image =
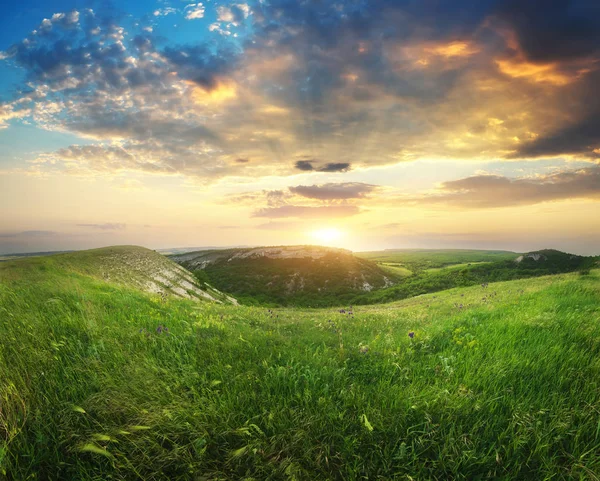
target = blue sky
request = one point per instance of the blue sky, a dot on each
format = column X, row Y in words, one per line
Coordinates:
column 443, row 119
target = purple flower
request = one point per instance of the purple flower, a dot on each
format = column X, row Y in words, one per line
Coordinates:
column 411, row 334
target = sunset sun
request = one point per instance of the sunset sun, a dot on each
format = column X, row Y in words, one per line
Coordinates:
column 327, row 236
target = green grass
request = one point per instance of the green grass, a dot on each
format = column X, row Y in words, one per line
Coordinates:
column 455, row 266
column 395, row 269
column 422, row 259
column 506, row 387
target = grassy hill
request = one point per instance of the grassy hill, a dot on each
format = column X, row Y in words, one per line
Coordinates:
column 100, row 380
column 533, row 264
column 130, row 266
column 312, row 276
column 289, row 275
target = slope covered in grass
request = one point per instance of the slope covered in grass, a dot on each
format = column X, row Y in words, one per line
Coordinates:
column 101, row 381
column 423, row 281
column 288, row 275
column 129, row 266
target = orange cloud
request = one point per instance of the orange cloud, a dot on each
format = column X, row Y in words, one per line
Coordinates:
column 453, row 49
column 539, row 73
column 423, row 55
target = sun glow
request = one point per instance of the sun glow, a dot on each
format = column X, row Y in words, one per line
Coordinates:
column 327, row 236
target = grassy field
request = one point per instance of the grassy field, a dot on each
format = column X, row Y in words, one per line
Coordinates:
column 395, row 269
column 422, row 259
column 99, row 381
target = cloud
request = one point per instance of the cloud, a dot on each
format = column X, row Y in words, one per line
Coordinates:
column 234, row 14
column 377, row 81
column 344, row 191
column 307, row 166
column 106, row 226
column 328, row 211
column 194, row 11
column 553, row 31
column 488, row 191
column 335, row 167
column 163, row 12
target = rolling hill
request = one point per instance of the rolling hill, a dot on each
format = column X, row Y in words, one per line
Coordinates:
column 101, row 379
column 511, row 267
column 130, row 266
column 288, row 275
column 319, row 276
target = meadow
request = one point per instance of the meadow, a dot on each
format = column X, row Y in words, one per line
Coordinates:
column 100, row 381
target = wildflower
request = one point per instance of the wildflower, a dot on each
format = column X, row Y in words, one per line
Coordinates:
column 411, row 334
column 363, row 349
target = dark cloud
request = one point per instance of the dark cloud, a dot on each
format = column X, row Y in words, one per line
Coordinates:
column 581, row 134
column 106, row 226
column 305, row 165
column 342, row 191
column 335, row 167
column 554, row 30
column 242, row 161
column 582, row 137
column 329, row 211
column 484, row 191
column 201, row 64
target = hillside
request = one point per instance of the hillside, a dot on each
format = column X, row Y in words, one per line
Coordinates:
column 312, row 276
column 288, row 275
column 131, row 266
column 99, row 380
column 529, row 265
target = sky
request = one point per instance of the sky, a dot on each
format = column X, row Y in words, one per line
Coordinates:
column 364, row 124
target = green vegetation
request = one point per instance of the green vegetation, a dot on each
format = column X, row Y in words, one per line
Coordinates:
column 439, row 279
column 99, row 381
column 330, row 277
column 340, row 278
column 129, row 266
column 395, row 269
column 417, row 260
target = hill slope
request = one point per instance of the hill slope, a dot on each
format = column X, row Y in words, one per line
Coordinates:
column 496, row 383
column 288, row 275
column 131, row 266
column 532, row 264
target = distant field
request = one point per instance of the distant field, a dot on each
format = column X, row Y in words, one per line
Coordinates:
column 456, row 266
column 422, row 259
column 99, row 381
column 396, row 269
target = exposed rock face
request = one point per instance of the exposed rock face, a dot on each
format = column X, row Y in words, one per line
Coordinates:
column 143, row 269
column 536, row 256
